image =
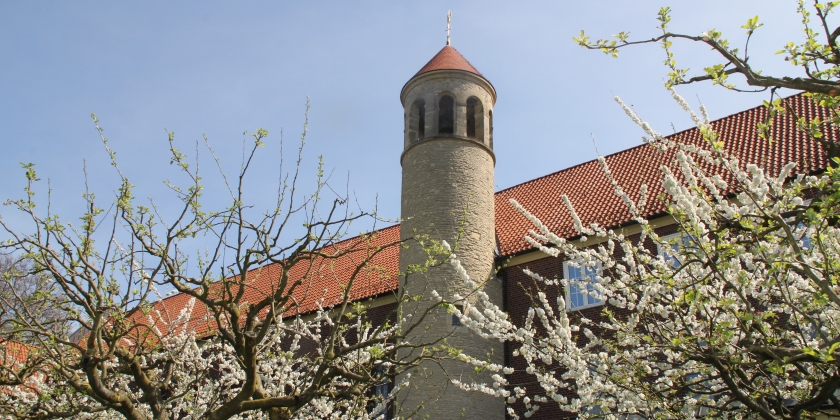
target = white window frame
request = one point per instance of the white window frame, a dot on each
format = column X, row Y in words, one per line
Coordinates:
column 807, row 241
column 682, row 239
column 589, row 301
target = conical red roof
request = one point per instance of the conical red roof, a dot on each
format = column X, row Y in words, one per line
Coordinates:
column 448, row 59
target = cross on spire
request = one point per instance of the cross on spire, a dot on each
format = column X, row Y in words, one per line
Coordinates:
column 448, row 26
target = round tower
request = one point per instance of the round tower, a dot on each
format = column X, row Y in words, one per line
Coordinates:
column 448, row 194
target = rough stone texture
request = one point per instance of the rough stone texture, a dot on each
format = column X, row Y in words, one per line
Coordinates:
column 448, row 186
column 447, row 193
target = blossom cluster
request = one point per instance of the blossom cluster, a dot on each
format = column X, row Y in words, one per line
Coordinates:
column 203, row 372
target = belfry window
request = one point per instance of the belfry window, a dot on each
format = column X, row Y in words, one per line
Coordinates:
column 490, row 121
column 456, row 320
column 471, row 117
column 446, row 115
column 417, row 120
column 421, row 119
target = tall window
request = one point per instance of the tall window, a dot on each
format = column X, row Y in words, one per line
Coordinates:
column 417, row 120
column 471, row 117
column 380, row 390
column 807, row 240
column 421, row 119
column 490, row 118
column 446, row 115
column 672, row 244
column 581, row 292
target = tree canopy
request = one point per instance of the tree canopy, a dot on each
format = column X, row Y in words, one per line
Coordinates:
column 271, row 320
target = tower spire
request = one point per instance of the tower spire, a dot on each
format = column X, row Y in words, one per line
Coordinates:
column 448, row 26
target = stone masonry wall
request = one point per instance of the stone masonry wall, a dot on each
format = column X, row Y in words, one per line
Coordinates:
column 448, row 189
column 431, row 89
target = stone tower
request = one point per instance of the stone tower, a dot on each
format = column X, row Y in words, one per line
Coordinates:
column 448, row 193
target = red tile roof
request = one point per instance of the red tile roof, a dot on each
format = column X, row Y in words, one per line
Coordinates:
column 13, row 352
column 322, row 280
column 592, row 195
column 15, row 357
column 448, row 59
column 584, row 184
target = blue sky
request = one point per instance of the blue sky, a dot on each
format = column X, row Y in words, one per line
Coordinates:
column 223, row 68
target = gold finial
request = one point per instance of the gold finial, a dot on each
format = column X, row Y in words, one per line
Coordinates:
column 448, row 26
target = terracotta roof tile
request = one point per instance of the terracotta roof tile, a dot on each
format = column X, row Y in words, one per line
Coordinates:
column 321, row 280
column 448, row 59
column 592, row 195
column 13, row 352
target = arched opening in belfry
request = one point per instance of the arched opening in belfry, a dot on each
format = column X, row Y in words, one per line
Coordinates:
column 475, row 119
column 421, row 119
column 417, row 120
column 446, row 115
column 490, row 131
column 471, row 118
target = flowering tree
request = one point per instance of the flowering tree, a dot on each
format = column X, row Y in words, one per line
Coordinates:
column 22, row 292
column 269, row 322
column 818, row 57
column 739, row 317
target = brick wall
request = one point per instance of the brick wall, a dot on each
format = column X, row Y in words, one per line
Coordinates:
column 520, row 295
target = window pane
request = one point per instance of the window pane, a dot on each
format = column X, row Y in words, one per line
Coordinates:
column 581, row 292
column 591, row 295
column 575, row 296
column 455, row 319
column 670, row 255
column 807, row 241
column 421, row 119
column 672, row 245
column 471, row 118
